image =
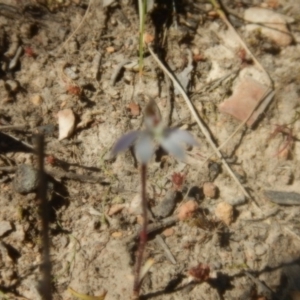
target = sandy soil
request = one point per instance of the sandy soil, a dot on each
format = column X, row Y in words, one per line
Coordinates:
column 251, row 244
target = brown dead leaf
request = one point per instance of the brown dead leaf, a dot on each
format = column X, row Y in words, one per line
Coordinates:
column 66, row 123
column 244, row 99
column 199, row 273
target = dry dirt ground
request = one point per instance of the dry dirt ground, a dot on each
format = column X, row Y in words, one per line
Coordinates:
column 251, row 245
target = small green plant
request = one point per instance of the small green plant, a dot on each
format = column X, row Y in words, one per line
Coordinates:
column 145, row 143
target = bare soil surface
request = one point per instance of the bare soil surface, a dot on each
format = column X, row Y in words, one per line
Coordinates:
column 250, row 244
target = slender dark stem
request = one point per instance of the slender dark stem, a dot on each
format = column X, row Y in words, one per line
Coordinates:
column 142, row 13
column 44, row 213
column 143, row 235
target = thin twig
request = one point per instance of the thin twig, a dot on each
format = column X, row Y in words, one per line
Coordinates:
column 46, row 290
column 215, row 83
column 8, row 169
column 117, row 71
column 158, row 225
column 261, row 286
column 292, row 233
column 18, row 140
column 142, row 14
column 199, row 121
column 57, row 173
column 169, row 102
column 60, row 174
column 75, row 31
column 13, row 127
column 160, row 241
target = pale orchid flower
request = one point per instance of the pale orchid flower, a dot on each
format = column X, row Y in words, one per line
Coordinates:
column 146, row 141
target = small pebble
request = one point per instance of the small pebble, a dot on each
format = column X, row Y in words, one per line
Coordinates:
column 117, row 234
column 128, row 77
column 214, row 170
column 64, row 241
column 26, row 30
column 210, row 190
column 168, row 232
column 224, row 212
column 276, row 30
column 5, row 226
column 36, row 100
column 166, row 206
column 187, row 210
column 12, row 85
column 134, row 109
column 26, row 179
column 110, row 49
column 148, row 38
column 71, row 72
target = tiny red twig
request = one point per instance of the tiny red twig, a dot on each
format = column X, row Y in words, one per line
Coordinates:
column 143, row 235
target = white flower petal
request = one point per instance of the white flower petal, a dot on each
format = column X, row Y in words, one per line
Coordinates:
column 183, row 136
column 173, row 147
column 144, row 148
column 125, row 142
column 173, row 140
